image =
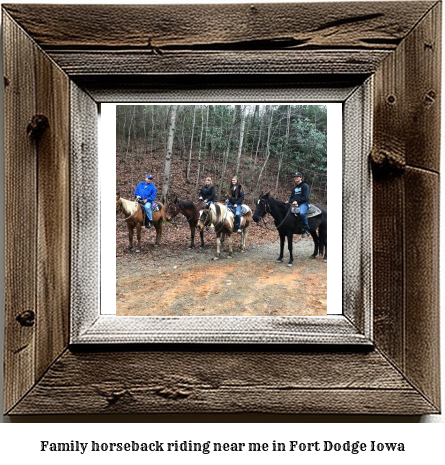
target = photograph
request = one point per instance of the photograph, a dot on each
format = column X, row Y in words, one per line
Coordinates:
column 221, row 210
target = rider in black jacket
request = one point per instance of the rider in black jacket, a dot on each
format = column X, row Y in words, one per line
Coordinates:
column 235, row 196
column 300, row 196
column 207, row 192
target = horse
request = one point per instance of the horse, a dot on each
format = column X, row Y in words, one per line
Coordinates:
column 191, row 211
column 288, row 224
column 133, row 215
column 223, row 220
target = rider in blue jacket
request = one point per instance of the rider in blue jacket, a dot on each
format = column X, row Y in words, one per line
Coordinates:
column 146, row 191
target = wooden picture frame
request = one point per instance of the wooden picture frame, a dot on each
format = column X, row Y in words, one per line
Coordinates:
column 56, row 72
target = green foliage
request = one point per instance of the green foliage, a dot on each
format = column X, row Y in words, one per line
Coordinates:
column 298, row 141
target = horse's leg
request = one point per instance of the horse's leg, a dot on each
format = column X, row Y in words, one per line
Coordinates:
column 244, row 239
column 323, row 241
column 201, row 233
column 230, row 246
column 158, row 227
column 218, row 248
column 192, row 235
column 282, row 239
column 289, row 246
column 316, row 240
column 130, row 236
column 138, row 235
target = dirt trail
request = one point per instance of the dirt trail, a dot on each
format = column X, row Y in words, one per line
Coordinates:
column 160, row 282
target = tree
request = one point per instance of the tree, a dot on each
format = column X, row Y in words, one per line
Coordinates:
column 187, row 174
column 241, row 138
column 269, row 129
column 168, row 154
column 284, row 148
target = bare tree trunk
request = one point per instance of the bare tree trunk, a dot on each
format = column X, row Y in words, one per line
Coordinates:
column 226, row 154
column 241, row 138
column 284, row 149
column 200, row 146
column 168, row 155
column 267, row 149
column 259, row 138
column 152, row 134
column 187, row 173
column 129, row 128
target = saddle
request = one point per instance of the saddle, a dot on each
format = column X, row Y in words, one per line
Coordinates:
column 155, row 206
column 311, row 211
column 244, row 209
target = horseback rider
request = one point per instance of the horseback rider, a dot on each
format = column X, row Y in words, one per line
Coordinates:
column 235, row 197
column 146, row 192
column 300, row 196
column 207, row 192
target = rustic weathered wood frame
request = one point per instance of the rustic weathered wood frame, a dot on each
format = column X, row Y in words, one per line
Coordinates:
column 76, row 56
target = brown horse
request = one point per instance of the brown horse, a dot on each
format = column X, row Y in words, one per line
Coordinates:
column 133, row 215
column 191, row 211
column 223, row 219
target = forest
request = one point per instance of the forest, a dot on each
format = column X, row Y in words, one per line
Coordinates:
column 181, row 145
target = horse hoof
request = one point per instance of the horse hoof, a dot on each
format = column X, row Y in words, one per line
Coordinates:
column 229, row 256
column 215, row 258
column 156, row 245
column 290, row 264
column 325, row 260
column 279, row 261
column 138, row 251
column 313, row 256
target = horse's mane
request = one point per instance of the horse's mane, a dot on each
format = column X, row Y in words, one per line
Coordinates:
column 187, row 204
column 130, row 206
column 281, row 203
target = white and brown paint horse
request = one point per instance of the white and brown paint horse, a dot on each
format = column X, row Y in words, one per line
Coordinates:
column 133, row 215
column 223, row 220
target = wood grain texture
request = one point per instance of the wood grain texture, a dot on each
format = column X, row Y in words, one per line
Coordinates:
column 20, row 212
column 128, row 63
column 85, row 210
column 373, row 25
column 356, row 209
column 53, row 213
column 422, row 364
column 223, row 382
column 399, row 42
column 423, row 91
column 37, row 195
column 406, row 134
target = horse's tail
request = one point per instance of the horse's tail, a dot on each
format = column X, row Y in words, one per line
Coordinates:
column 323, row 232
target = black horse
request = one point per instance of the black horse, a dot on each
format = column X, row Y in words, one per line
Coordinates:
column 288, row 224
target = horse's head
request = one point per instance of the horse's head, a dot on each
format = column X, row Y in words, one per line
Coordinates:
column 173, row 209
column 262, row 207
column 118, row 203
column 204, row 218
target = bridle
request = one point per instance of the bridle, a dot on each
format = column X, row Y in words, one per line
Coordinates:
column 131, row 216
column 223, row 223
column 178, row 210
column 268, row 210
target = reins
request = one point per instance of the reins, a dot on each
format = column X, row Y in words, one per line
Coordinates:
column 224, row 222
column 131, row 216
column 284, row 219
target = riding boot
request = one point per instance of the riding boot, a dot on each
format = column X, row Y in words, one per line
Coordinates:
column 305, row 234
column 237, row 223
